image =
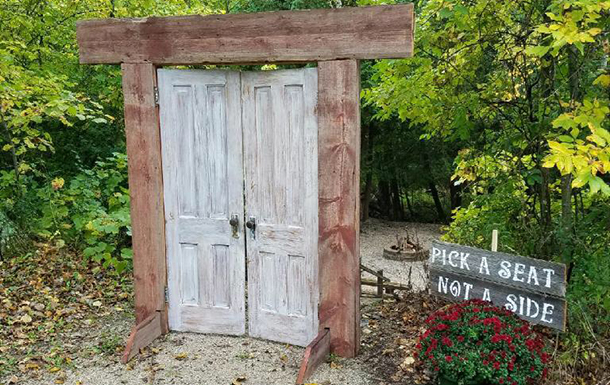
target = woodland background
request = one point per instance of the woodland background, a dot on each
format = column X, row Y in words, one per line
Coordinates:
column 500, row 121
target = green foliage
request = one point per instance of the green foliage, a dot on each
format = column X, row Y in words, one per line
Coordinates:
column 521, row 90
column 90, row 212
column 93, row 211
column 503, row 211
column 62, row 174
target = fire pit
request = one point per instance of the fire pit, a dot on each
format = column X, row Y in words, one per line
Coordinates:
column 405, row 250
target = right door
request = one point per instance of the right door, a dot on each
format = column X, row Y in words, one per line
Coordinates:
column 281, row 188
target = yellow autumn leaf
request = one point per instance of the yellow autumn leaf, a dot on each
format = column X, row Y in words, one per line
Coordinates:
column 58, row 183
column 180, row 356
column 602, row 80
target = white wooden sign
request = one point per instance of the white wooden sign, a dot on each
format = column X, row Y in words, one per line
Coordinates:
column 531, row 288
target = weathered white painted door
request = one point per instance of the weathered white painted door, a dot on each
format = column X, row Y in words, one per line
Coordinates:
column 203, row 185
column 281, row 146
column 214, row 126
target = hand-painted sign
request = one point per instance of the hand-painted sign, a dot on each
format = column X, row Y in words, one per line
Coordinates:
column 531, row 288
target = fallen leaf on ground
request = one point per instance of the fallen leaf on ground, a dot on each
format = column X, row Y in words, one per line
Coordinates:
column 181, row 356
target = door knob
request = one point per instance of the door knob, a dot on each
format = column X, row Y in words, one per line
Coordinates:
column 251, row 224
column 234, row 222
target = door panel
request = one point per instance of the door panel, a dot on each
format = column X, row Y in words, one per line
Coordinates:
column 203, row 186
column 280, row 137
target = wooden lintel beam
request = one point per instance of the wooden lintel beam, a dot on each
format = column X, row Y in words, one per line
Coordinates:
column 287, row 37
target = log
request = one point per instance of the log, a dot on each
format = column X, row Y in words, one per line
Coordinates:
column 286, row 36
column 339, row 203
column 316, row 353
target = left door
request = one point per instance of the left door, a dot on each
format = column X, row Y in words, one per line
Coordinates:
column 202, row 148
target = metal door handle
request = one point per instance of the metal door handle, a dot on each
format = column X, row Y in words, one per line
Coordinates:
column 251, row 224
column 234, row 222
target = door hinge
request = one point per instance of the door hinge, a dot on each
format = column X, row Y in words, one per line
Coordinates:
column 156, row 95
column 166, row 293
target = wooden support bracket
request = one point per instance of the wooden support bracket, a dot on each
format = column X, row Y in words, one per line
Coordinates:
column 142, row 335
column 316, row 353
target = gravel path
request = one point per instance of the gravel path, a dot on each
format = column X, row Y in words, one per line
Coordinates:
column 376, row 235
column 197, row 359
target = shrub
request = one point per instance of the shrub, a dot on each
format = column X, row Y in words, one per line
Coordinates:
column 475, row 340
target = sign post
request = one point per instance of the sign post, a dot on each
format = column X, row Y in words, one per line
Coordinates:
column 533, row 289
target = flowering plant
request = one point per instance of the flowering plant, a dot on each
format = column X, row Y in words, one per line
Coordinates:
column 476, row 341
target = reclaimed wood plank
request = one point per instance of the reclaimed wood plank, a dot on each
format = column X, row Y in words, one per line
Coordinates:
column 286, row 36
column 142, row 335
column 507, row 269
column 317, row 352
column 339, row 203
column 146, row 189
column 546, row 310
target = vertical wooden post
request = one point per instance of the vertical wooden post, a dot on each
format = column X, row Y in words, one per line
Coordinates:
column 494, row 240
column 380, row 284
column 339, row 203
column 146, row 191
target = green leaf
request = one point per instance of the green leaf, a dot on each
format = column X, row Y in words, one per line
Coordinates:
column 445, row 13
column 539, row 50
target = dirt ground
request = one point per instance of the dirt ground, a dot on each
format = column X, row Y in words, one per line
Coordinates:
column 389, row 330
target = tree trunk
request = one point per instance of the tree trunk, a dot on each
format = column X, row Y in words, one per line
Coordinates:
column 398, row 212
column 367, row 144
column 409, row 207
column 432, row 187
column 545, row 199
column 9, row 137
column 366, row 200
column 456, row 195
column 567, row 221
column 437, row 202
column 566, row 203
column 385, row 201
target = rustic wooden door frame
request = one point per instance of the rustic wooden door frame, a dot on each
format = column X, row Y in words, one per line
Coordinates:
column 334, row 38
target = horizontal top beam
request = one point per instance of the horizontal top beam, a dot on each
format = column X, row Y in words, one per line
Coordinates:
column 269, row 37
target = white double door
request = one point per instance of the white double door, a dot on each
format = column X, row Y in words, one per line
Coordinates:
column 240, row 176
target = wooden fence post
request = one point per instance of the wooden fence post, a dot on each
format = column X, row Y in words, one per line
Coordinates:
column 380, row 283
